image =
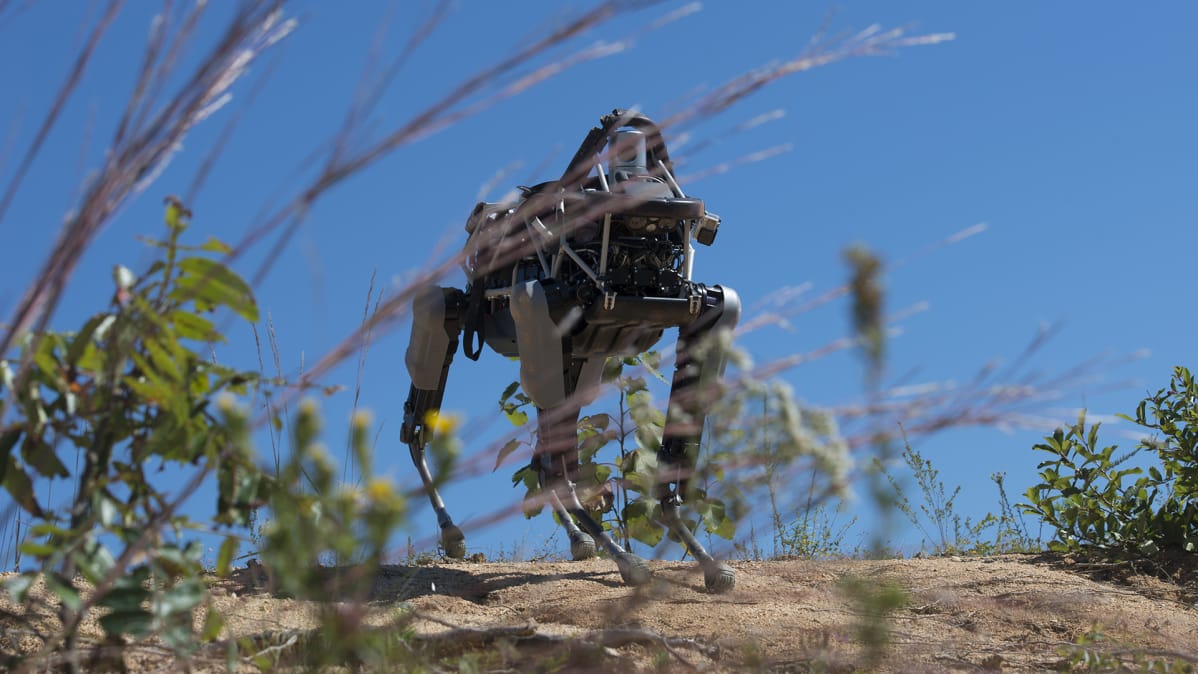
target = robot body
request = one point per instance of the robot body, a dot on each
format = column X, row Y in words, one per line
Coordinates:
column 578, row 270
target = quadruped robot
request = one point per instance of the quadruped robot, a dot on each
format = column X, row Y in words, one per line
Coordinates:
column 594, row 264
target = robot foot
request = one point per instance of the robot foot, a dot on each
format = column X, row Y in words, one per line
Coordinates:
column 633, row 569
column 718, row 577
column 453, row 541
column 582, row 546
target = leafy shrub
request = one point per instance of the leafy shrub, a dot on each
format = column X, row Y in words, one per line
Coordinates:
column 1084, row 491
column 136, row 391
column 130, row 393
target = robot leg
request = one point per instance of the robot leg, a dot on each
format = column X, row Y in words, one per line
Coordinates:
column 436, row 324
column 692, row 392
column 556, row 458
column 558, row 385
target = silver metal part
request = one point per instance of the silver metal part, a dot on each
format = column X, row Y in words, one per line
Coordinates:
column 670, row 179
column 589, row 379
column 629, row 153
column 484, row 210
column 542, row 369
column 426, row 350
column 586, row 268
column 605, row 244
column 602, row 175
column 717, row 360
column 709, row 226
column 688, row 250
column 538, row 232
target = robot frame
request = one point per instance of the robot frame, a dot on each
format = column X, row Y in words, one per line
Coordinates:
column 597, row 263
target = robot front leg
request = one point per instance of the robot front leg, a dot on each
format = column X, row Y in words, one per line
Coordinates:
column 556, row 458
column 695, row 387
column 556, row 461
column 560, row 385
column 436, row 323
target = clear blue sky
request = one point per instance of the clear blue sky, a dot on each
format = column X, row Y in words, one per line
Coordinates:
column 1067, row 127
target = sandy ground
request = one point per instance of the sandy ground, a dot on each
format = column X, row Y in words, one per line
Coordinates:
column 1011, row 613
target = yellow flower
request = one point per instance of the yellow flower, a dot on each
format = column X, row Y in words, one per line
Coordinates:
column 439, row 422
column 176, row 214
column 362, row 419
column 380, row 489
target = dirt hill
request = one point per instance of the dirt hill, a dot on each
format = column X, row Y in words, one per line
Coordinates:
column 1012, row 613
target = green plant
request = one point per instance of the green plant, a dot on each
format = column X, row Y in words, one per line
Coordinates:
column 875, row 600
column 1090, row 653
column 815, row 533
column 945, row 531
column 1086, row 493
column 1010, row 531
column 618, row 489
column 131, row 393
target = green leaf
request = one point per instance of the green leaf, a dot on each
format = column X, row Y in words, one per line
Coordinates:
column 725, row 528
column 214, row 622
column 150, row 390
column 181, row 598
column 716, row 520
column 7, row 441
column 528, row 476
column 42, row 457
column 511, row 446
column 176, row 561
column 212, row 284
column 38, row 550
column 507, row 392
column 125, row 598
column 651, row 361
column 65, row 592
column 47, row 362
column 48, row 529
column 167, row 357
column 175, row 214
column 648, row 532
column 190, row 326
column 516, row 416
column 602, row 473
column 83, row 338
column 599, row 422
column 133, row 623
column 95, row 561
column 224, row 559
column 20, row 487
column 18, row 587
column 215, row 245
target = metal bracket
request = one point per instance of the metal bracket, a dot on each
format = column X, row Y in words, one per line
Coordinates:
column 696, row 303
column 609, row 301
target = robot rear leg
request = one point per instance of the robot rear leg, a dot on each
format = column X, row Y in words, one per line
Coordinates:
column 556, row 458
column 560, row 385
column 436, row 324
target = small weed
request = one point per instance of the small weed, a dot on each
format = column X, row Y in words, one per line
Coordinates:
column 875, row 600
column 945, row 531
